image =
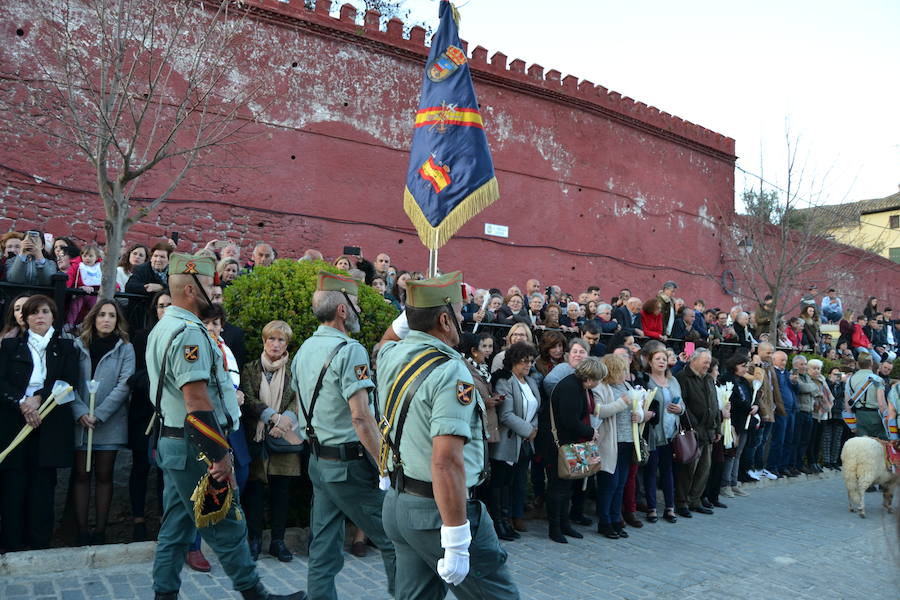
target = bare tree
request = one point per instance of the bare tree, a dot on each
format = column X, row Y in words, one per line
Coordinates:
column 136, row 86
column 783, row 243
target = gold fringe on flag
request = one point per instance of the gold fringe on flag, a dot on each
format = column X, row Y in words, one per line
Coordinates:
column 435, row 237
column 212, row 499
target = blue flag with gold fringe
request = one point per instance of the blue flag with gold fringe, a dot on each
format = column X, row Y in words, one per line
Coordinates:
column 451, row 175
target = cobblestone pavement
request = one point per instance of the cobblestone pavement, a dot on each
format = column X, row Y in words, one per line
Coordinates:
column 795, row 540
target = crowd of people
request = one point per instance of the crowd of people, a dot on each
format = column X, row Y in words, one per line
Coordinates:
column 551, row 367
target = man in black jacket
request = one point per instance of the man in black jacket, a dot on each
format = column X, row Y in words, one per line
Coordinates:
column 699, row 393
column 629, row 317
column 231, row 334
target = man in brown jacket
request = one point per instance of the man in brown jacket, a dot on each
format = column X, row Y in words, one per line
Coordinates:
column 770, row 404
column 699, row 393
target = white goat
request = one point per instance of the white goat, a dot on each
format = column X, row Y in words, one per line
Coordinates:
column 863, row 465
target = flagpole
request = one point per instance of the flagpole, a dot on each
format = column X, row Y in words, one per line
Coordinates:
column 433, row 258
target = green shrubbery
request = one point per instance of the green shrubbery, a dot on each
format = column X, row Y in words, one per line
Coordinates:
column 284, row 291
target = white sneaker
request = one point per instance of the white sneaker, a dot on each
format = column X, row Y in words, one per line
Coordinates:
column 765, row 473
column 754, row 474
column 727, row 491
column 738, row 491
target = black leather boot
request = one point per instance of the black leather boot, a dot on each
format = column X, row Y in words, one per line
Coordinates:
column 259, row 592
column 552, row 502
column 165, row 596
column 564, row 524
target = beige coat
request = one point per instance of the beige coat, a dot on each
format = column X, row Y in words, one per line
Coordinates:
column 607, row 406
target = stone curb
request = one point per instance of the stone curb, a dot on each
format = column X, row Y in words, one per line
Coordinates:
column 97, row 557
column 56, row 560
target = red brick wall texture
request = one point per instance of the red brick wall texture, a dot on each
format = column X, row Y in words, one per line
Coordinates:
column 595, row 187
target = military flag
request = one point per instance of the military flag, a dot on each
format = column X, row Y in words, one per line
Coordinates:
column 450, row 178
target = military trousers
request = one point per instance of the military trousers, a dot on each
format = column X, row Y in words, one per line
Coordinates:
column 414, row 525
column 228, row 538
column 343, row 490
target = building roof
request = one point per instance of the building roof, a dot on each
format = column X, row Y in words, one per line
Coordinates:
column 849, row 213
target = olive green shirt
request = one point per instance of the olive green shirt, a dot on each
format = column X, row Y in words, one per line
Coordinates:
column 192, row 356
column 347, row 374
column 869, row 398
column 444, row 404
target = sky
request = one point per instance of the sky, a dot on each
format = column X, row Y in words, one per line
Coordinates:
column 825, row 74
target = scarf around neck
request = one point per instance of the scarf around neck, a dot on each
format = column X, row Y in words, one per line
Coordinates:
column 270, row 391
column 37, row 345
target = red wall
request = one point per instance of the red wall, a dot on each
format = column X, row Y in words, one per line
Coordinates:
column 595, row 188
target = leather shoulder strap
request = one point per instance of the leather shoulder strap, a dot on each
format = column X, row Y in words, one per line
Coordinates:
column 162, row 374
column 308, row 414
column 404, row 387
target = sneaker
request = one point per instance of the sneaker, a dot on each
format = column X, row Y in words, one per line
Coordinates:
column 768, row 475
column 754, row 474
column 727, row 491
column 737, row 491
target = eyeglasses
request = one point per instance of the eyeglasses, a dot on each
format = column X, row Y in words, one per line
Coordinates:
column 164, row 305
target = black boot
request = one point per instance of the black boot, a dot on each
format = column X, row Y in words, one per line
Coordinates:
column 259, row 592
column 255, row 547
column 165, row 596
column 552, row 502
column 565, row 525
column 280, row 551
column 502, row 527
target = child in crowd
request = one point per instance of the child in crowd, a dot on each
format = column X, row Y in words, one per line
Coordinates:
column 88, row 278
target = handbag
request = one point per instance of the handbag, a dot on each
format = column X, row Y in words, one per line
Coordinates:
column 684, row 444
column 574, row 461
column 289, row 443
column 645, row 452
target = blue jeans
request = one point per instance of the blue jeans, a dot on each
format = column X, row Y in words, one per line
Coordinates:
column 802, row 434
column 660, row 458
column 776, row 448
column 758, row 453
column 832, row 315
column 611, row 487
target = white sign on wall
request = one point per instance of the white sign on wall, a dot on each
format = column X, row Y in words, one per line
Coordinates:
column 496, row 230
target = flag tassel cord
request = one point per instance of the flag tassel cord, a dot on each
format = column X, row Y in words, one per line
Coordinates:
column 434, row 237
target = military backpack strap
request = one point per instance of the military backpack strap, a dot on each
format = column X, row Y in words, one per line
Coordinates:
column 859, row 394
column 403, row 389
column 159, row 387
column 308, row 415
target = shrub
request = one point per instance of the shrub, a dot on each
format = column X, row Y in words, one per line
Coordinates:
column 284, row 291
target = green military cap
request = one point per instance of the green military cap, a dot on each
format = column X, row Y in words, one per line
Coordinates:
column 332, row 282
column 429, row 293
column 190, row 264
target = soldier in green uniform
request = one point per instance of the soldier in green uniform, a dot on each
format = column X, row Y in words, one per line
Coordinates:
column 331, row 376
column 435, row 449
column 197, row 406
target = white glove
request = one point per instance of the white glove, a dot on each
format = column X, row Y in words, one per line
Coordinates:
column 455, row 541
column 384, row 483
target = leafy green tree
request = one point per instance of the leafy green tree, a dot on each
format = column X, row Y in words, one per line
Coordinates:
column 284, row 291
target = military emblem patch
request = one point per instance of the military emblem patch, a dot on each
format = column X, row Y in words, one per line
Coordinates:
column 362, row 372
column 190, row 268
column 464, row 392
column 191, row 353
column 446, row 64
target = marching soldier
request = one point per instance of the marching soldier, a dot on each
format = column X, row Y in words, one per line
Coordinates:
column 331, row 375
column 197, row 407
column 436, row 452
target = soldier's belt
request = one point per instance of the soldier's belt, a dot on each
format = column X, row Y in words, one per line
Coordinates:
column 345, row 452
column 407, row 485
column 178, row 432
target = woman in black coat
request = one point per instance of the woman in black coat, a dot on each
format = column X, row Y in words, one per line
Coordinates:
column 140, row 411
column 29, row 366
column 572, row 404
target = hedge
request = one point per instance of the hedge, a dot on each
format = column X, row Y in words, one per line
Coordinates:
column 284, row 291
